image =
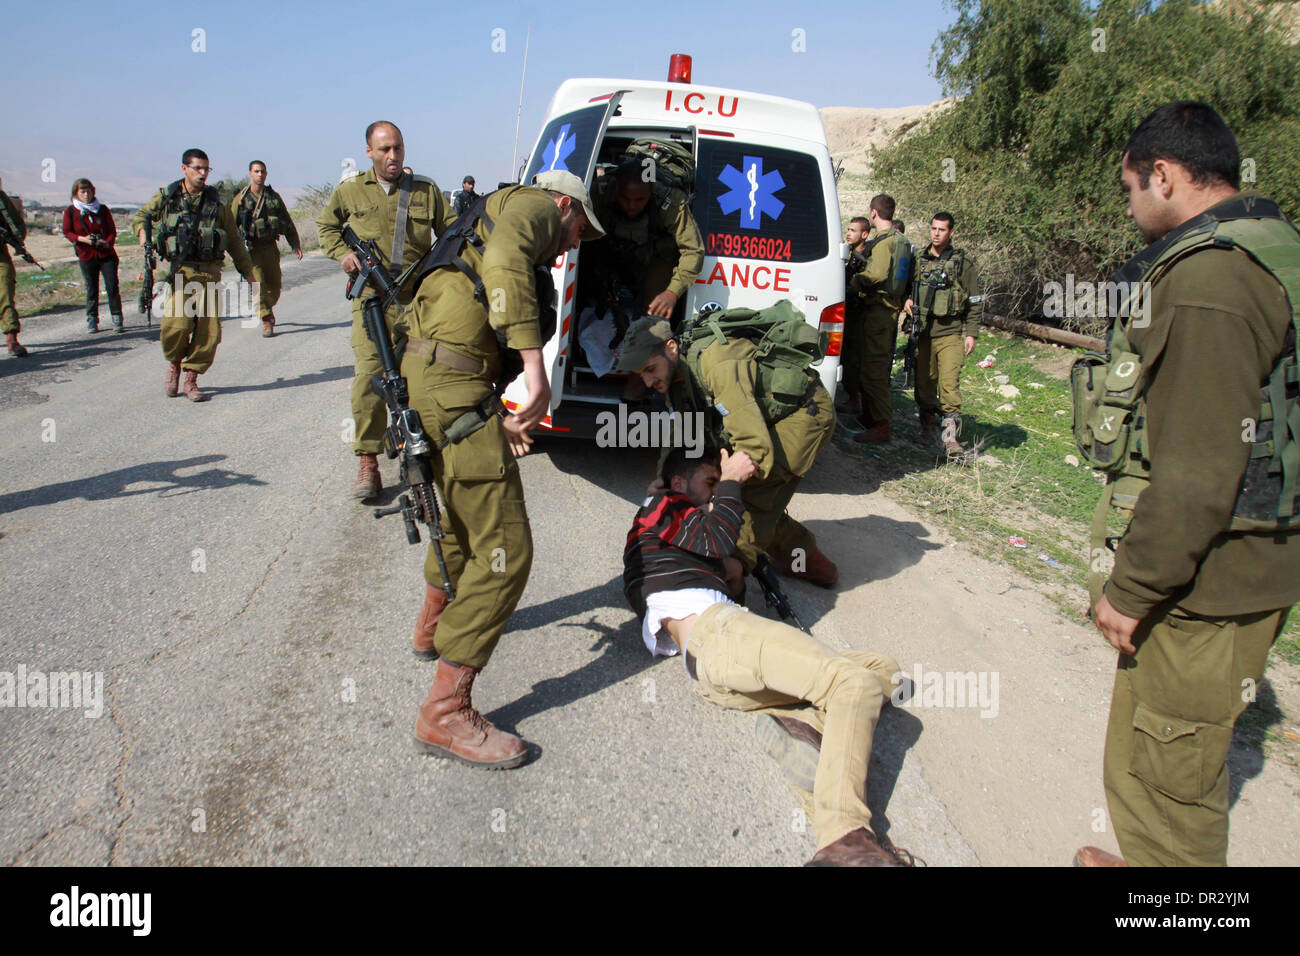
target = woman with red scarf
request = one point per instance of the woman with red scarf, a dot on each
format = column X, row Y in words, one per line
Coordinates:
column 89, row 226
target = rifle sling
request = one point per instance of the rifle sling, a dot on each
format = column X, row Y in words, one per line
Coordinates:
column 399, row 228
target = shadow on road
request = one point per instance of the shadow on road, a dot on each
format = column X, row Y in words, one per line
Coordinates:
column 116, row 484
column 295, row 328
column 1246, row 757
column 896, row 734
column 335, row 374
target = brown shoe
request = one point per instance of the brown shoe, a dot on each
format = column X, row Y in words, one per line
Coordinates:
column 879, row 432
column 818, row 569
column 861, row 848
column 929, row 428
column 268, row 327
column 1095, row 856
column 16, row 349
column 191, row 387
column 435, row 599
column 172, row 380
column 449, row 726
column 795, row 746
column 368, row 483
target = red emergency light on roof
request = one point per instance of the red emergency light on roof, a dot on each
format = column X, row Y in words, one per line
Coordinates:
column 679, row 68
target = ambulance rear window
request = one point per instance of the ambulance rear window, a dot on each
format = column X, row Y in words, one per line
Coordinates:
column 759, row 202
column 567, row 143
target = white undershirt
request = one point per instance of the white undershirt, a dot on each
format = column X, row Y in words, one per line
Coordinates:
column 674, row 605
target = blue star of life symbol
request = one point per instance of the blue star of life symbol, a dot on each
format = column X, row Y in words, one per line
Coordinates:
column 752, row 192
column 558, row 150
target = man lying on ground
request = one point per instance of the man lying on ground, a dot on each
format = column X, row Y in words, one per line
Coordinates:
column 678, row 576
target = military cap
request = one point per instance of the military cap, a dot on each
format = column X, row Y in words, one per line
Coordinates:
column 644, row 338
column 566, row 184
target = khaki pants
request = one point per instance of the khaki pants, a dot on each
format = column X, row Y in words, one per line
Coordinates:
column 489, row 544
column 1171, row 717
column 266, row 273
column 746, row 662
column 369, row 413
column 8, row 289
column 796, row 440
column 938, row 372
column 190, row 327
column 879, row 336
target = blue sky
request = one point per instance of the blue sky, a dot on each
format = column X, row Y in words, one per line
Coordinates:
column 295, row 83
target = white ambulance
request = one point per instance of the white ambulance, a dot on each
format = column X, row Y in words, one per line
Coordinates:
column 765, row 203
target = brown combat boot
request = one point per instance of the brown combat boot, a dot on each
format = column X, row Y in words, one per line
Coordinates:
column 172, row 380
column 818, row 569
column 268, row 326
column 449, row 726
column 878, row 432
column 861, row 848
column 929, row 428
column 191, row 387
column 368, row 483
column 435, row 599
column 1095, row 856
column 15, row 348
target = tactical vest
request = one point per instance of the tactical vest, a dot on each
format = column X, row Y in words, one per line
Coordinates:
column 938, row 292
column 1109, row 391
column 785, row 347
column 446, row 252
column 267, row 225
column 186, row 234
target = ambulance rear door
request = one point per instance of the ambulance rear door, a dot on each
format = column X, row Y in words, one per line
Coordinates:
column 568, row 142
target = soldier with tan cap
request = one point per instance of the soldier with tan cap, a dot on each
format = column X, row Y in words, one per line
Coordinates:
column 479, row 304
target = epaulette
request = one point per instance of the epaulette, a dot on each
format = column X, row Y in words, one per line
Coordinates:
column 417, row 178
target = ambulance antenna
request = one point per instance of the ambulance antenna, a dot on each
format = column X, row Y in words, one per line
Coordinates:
column 514, row 153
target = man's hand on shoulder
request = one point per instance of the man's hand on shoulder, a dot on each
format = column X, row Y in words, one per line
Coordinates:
column 736, row 466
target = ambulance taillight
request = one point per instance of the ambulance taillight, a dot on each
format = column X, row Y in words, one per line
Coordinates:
column 679, row 68
column 832, row 323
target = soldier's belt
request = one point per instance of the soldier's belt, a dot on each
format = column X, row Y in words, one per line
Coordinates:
column 441, row 354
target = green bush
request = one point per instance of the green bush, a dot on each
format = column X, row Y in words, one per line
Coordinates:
column 1049, row 92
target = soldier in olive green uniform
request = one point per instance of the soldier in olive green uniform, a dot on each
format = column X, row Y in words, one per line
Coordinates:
column 879, row 307
column 402, row 213
column 1209, row 565
column 653, row 245
column 262, row 218
column 851, row 348
column 13, row 220
column 195, row 231
column 947, row 306
column 718, row 381
column 452, row 364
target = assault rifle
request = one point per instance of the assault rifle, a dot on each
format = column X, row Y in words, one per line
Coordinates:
column 908, row 351
column 765, row 575
column 146, row 273
column 405, row 435
column 12, row 238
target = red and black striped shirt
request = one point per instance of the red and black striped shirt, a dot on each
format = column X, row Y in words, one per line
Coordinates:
column 674, row 545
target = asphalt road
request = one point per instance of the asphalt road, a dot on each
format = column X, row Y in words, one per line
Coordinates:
column 252, row 626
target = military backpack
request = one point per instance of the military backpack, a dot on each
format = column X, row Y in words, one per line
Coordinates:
column 898, row 283
column 785, row 346
column 666, row 163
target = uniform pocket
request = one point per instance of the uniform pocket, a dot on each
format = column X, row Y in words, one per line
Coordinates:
column 483, row 456
column 1180, row 758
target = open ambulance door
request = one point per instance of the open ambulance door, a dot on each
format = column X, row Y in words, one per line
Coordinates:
column 568, row 142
